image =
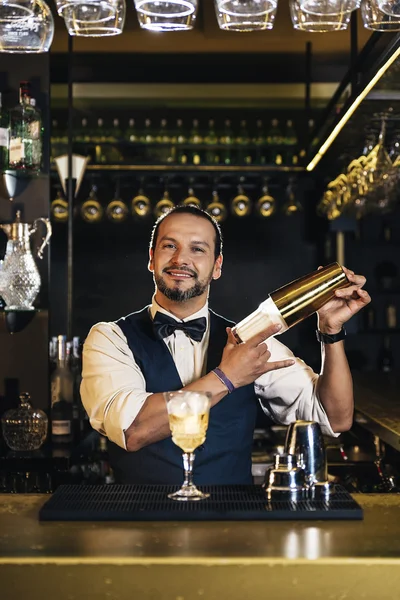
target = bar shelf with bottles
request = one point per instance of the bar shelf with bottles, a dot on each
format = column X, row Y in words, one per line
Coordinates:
column 183, row 144
column 21, row 135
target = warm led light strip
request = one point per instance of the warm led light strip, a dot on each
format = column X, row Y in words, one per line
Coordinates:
column 338, row 128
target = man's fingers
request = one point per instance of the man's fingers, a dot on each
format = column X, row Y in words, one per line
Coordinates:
column 280, row 364
column 257, row 339
column 231, row 338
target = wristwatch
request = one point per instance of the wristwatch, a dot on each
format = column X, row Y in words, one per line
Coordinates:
column 330, row 338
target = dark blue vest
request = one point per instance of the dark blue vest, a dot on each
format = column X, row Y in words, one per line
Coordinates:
column 225, row 457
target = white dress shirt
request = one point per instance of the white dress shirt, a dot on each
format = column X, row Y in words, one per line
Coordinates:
column 113, row 387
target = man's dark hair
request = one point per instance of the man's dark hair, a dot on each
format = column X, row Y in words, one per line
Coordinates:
column 189, row 209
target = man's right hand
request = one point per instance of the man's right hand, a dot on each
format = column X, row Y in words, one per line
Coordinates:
column 244, row 363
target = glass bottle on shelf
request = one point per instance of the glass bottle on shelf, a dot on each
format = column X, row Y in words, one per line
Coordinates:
column 147, row 136
column 274, row 139
column 131, row 134
column 259, row 141
column 37, row 139
column 385, row 356
column 291, row 141
column 227, row 141
column 179, row 139
column 211, row 139
column 115, row 134
column 391, row 316
column 99, row 136
column 61, row 396
column 4, row 142
column 243, row 140
column 83, row 133
column 25, row 150
column 195, row 139
column 165, row 152
column 91, row 209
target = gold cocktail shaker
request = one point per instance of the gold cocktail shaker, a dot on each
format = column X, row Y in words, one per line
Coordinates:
column 293, row 302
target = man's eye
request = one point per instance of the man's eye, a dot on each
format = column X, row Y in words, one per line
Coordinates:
column 168, row 246
column 196, row 249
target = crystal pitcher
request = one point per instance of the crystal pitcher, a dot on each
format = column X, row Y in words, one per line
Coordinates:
column 19, row 276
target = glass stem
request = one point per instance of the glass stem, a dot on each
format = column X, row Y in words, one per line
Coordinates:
column 188, row 459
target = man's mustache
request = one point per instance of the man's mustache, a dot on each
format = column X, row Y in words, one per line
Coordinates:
column 184, row 269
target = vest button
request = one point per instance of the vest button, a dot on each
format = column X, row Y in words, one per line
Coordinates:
column 200, row 448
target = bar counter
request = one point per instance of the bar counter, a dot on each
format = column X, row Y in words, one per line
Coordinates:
column 188, row 561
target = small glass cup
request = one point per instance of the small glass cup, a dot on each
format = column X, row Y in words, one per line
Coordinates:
column 166, row 15
column 188, row 414
column 247, row 15
column 305, row 21
column 329, row 7
column 376, row 19
column 89, row 18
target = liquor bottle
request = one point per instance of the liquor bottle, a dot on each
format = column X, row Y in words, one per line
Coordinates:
column 80, row 421
column 195, row 139
column 37, row 140
column 275, row 138
column 61, row 396
column 165, row 152
column 99, row 136
column 3, row 138
column 83, row 133
column 391, row 316
column 385, row 356
column 227, row 140
column 211, row 140
column 291, row 141
column 370, row 318
column 179, row 139
column 243, row 139
column 147, row 136
column 25, row 151
column 259, row 141
column 131, row 134
column 114, row 134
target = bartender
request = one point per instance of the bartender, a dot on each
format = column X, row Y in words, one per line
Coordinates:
column 176, row 343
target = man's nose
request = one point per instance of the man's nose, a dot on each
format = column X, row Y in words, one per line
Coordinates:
column 181, row 256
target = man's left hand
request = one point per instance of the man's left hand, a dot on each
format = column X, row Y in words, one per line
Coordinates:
column 346, row 303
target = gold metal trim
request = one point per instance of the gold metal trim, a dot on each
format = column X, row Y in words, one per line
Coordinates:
column 184, row 168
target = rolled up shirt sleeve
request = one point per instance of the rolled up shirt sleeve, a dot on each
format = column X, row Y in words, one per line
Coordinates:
column 113, row 389
column 290, row 394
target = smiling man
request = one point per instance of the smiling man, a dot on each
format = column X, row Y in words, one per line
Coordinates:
column 177, row 342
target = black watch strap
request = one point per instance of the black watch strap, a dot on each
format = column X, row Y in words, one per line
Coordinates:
column 331, row 338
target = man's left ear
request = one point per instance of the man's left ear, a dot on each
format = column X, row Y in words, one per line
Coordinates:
column 218, row 268
column 150, row 266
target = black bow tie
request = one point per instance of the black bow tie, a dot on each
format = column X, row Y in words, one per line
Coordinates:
column 165, row 326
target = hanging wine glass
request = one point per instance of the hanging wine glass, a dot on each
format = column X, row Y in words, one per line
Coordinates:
column 390, row 7
column 375, row 19
column 26, row 26
column 303, row 20
column 329, row 7
column 93, row 18
column 166, row 15
column 246, row 15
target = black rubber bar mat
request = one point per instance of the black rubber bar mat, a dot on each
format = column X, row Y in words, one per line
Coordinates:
column 226, row 503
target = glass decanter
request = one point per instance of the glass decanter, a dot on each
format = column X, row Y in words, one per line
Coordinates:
column 24, row 428
column 20, row 279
